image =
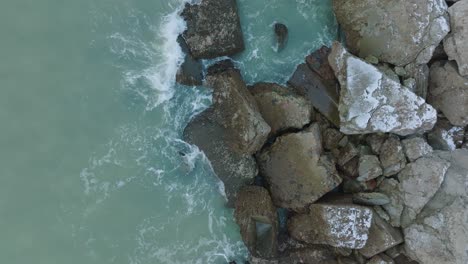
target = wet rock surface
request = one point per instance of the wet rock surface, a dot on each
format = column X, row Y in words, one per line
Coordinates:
column 190, row 72
column 397, row 32
column 281, row 34
column 370, row 102
column 336, row 225
column 456, row 43
column 213, row 29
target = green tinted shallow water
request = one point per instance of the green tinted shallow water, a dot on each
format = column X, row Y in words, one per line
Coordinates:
column 90, row 164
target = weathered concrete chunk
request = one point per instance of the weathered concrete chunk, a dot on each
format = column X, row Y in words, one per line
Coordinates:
column 456, row 43
column 397, row 32
column 372, row 198
column 369, row 167
column 190, row 72
column 382, row 236
column 415, row 148
column 233, row 168
column 213, row 29
column 256, row 216
column 419, row 181
column 281, row 107
column 237, row 111
column 391, row 156
column 448, row 92
column 371, row 102
column 440, row 233
column 316, row 80
column 296, row 171
column 335, row 225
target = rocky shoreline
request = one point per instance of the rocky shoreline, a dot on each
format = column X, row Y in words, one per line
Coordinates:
column 363, row 156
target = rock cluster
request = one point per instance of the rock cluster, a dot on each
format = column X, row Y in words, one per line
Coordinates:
column 352, row 165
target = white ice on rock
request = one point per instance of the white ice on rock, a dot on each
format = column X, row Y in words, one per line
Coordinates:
column 371, row 102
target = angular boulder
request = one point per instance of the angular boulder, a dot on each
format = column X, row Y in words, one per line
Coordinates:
column 418, row 182
column 415, row 148
column 369, row 167
column 233, row 169
column 281, row 107
column 190, row 72
column 336, row 225
column 456, row 43
column 237, row 111
column 316, row 81
column 295, row 170
column 213, row 29
column 392, row 156
column 448, row 92
column 381, row 259
column 371, row 102
column 440, row 233
column 398, row 32
column 256, row 216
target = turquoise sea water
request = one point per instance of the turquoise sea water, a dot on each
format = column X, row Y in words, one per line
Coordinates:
column 91, row 121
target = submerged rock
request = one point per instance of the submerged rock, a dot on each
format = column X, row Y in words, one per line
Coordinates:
column 456, row 43
column 397, row 32
column 418, row 183
column 190, row 72
column 316, row 81
column 295, row 170
column 281, row 107
column 256, row 216
column 371, row 102
column 281, row 34
column 344, row 226
column 237, row 111
column 213, row 29
column 440, row 233
column 448, row 92
column 233, row 169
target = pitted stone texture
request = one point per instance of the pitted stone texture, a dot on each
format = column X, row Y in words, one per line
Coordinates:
column 344, row 226
column 448, row 92
column 370, row 102
column 280, row 107
column 295, row 170
column 254, row 206
column 419, row 181
column 440, row 233
column 415, row 148
column 213, row 29
column 237, row 111
column 397, row 32
column 456, row 43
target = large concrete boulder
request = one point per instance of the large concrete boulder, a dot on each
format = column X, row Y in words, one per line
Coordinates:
column 448, row 92
column 418, row 182
column 295, row 170
column 456, row 43
column 256, row 216
column 398, row 32
column 337, row 225
column 440, row 232
column 371, row 102
column 213, row 29
column 281, row 107
column 233, row 169
column 237, row 111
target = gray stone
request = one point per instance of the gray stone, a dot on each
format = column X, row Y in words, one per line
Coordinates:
column 331, row 138
column 213, row 29
column 370, row 102
column 400, row 71
column 456, row 43
column 310, row 254
column 415, row 148
column 335, row 225
column 440, row 233
column 369, row 167
column 190, row 72
column 280, row 107
column 448, row 92
column 420, row 74
column 372, row 198
column 445, row 136
column 382, row 236
column 387, row 70
column 419, row 181
column 351, row 168
column 347, row 153
column 237, row 111
column 310, row 175
column 381, row 212
column 392, row 157
column 376, row 141
column 397, row 32
column 233, row 169
column 256, row 216
column 381, row 259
